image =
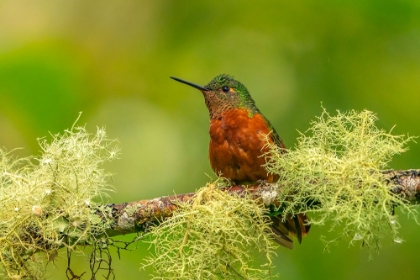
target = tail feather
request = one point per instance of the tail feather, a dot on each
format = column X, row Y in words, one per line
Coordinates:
column 292, row 226
column 281, row 234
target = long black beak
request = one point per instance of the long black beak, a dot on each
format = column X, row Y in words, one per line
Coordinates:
column 190, row 84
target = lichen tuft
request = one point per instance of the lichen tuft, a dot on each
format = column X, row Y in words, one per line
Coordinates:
column 50, row 202
column 218, row 236
column 336, row 171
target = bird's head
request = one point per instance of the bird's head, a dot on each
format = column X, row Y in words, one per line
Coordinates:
column 224, row 93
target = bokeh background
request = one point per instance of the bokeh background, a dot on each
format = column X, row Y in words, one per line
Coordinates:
column 112, row 60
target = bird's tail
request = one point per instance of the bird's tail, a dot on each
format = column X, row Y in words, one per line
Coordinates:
column 292, row 226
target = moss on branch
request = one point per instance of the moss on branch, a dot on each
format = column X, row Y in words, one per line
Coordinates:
column 336, row 170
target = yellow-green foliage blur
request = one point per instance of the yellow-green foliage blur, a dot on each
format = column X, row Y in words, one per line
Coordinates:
column 112, row 61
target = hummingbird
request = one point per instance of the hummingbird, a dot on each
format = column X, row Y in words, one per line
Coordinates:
column 238, row 142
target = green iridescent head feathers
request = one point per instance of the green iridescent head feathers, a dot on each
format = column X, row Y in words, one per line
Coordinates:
column 226, row 80
column 226, row 93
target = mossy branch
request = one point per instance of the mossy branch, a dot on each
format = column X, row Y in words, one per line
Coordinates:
column 138, row 216
column 339, row 172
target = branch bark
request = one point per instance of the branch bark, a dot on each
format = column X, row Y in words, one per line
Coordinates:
column 138, row 216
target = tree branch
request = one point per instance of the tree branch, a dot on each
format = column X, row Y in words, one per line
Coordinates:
column 138, row 216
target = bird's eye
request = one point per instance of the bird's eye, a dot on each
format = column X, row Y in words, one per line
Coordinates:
column 225, row 88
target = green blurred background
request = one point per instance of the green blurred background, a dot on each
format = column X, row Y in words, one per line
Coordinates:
column 112, row 61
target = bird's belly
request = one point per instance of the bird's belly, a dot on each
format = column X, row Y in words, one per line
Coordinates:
column 237, row 151
column 237, row 163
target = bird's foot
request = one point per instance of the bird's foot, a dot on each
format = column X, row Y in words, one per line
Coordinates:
column 263, row 183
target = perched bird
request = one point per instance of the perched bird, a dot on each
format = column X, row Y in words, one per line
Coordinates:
column 238, row 133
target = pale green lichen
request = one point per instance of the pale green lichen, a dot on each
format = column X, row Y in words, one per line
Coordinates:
column 49, row 202
column 335, row 171
column 217, row 236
